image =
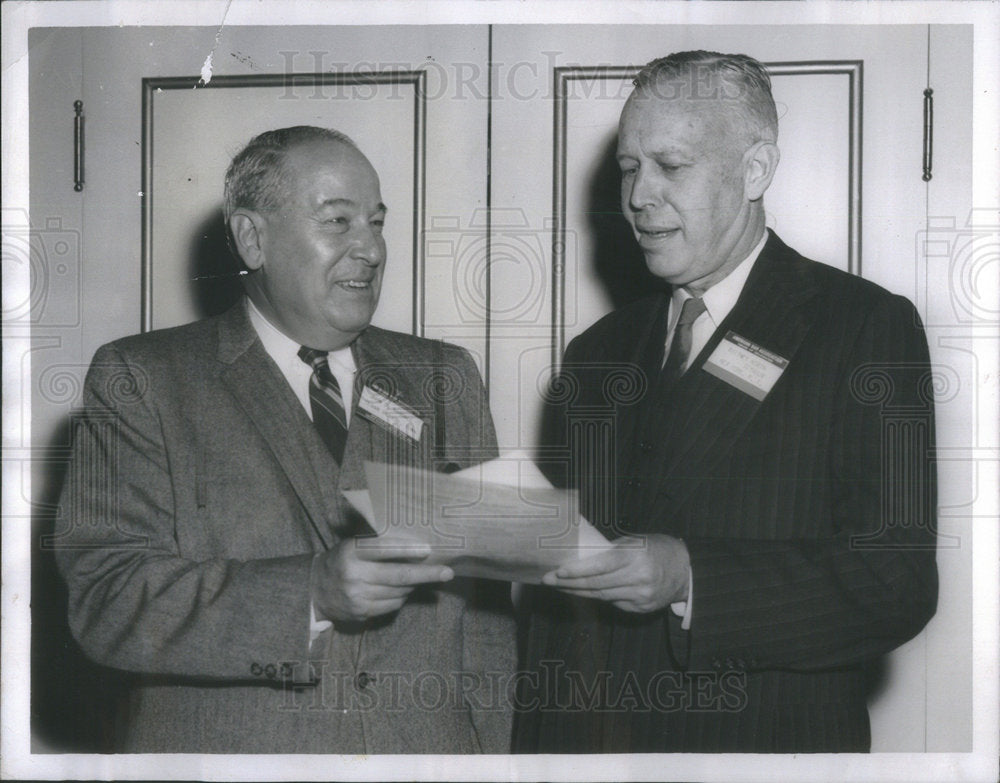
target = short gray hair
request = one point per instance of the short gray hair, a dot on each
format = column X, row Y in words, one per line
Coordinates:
column 257, row 177
column 736, row 78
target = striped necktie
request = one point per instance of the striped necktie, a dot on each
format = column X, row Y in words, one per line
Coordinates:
column 327, row 404
column 680, row 346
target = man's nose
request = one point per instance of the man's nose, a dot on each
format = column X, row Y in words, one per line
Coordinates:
column 368, row 246
column 642, row 192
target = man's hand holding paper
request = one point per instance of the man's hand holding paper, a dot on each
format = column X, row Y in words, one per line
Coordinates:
column 353, row 584
column 637, row 574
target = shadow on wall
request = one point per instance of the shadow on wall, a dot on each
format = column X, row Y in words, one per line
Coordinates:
column 617, row 259
column 214, row 271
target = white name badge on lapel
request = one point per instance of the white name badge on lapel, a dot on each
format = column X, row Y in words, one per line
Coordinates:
column 389, row 412
column 746, row 365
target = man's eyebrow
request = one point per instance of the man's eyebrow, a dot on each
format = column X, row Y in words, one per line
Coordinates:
column 671, row 149
column 347, row 202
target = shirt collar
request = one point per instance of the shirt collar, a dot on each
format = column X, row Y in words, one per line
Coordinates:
column 283, row 348
column 721, row 297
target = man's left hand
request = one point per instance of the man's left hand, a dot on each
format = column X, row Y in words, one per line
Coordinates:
column 639, row 574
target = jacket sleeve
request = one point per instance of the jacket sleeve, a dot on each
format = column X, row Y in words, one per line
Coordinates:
column 872, row 584
column 135, row 602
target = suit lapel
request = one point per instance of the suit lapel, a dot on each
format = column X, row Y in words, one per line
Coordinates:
column 706, row 415
column 385, row 366
column 263, row 393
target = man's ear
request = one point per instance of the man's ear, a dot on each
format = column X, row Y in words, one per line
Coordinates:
column 247, row 229
column 759, row 164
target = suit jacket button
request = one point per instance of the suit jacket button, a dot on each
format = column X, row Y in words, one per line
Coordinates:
column 645, row 445
column 271, row 671
column 363, row 679
column 255, row 669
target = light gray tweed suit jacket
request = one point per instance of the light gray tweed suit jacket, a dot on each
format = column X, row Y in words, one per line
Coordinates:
column 198, row 495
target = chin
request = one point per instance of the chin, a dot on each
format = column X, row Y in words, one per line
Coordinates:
column 352, row 324
column 349, row 316
column 350, row 327
column 671, row 271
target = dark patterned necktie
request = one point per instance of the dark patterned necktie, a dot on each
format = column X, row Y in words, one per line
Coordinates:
column 680, row 346
column 326, row 402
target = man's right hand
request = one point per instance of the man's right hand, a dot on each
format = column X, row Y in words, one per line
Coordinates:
column 363, row 578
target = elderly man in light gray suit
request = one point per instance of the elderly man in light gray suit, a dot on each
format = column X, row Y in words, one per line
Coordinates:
column 205, row 540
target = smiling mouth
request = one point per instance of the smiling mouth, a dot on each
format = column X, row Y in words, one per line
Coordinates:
column 355, row 285
column 649, row 233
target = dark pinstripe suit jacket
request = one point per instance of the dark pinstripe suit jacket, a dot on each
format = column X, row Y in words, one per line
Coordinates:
column 809, row 517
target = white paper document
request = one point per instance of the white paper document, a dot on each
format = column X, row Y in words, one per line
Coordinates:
column 499, row 520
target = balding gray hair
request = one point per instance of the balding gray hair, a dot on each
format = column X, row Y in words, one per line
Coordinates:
column 257, row 177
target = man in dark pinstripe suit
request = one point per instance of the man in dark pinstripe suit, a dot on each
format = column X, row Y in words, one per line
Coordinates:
column 766, row 475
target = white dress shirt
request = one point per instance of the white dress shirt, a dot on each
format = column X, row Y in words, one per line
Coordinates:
column 719, row 300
